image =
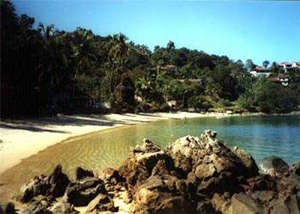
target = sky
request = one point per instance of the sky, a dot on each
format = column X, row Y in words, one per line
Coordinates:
column 257, row 30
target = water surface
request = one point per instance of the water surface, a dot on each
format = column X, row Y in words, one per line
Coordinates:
column 260, row 136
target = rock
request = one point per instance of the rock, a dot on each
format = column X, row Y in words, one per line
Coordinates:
column 224, row 182
column 174, row 204
column 36, row 186
column 262, row 182
column 52, row 185
column 291, row 182
column 264, row 196
column 273, row 165
column 247, row 160
column 285, row 205
column 101, row 203
column 8, row 208
column 205, row 207
column 63, row 208
column 192, row 175
column 153, row 202
column 242, row 203
column 111, row 175
column 141, row 162
column 152, row 183
column 205, row 171
column 37, row 207
column 221, row 203
column 155, row 196
column 81, row 192
column 160, row 168
column 58, row 182
column 295, row 168
column 209, row 137
column 82, row 173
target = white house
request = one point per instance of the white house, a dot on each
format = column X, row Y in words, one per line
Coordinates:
column 288, row 66
column 259, row 71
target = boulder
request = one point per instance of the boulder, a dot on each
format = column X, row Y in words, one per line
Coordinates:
column 261, row 182
column 291, row 182
column 285, row 204
column 63, row 208
column 8, row 208
column 36, row 186
column 264, row 196
column 204, row 171
column 242, row 203
column 101, row 203
column 37, row 206
column 112, row 176
column 141, row 161
column 295, row 168
column 58, row 182
column 273, row 165
column 82, row 173
column 81, row 192
column 247, row 160
column 53, row 185
column 221, row 203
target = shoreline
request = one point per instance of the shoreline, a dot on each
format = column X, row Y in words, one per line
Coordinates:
column 20, row 139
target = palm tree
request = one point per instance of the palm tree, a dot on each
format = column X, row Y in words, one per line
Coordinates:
column 119, row 52
column 83, row 52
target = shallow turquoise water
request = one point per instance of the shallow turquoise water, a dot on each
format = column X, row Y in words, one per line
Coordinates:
column 260, row 136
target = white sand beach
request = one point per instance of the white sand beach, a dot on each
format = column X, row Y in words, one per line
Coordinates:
column 19, row 139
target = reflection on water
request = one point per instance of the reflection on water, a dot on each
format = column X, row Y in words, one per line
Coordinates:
column 260, row 136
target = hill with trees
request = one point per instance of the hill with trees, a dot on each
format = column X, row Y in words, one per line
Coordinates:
column 45, row 71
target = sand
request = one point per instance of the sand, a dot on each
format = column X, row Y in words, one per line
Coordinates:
column 19, row 139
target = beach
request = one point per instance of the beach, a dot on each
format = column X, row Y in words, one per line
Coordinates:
column 19, row 139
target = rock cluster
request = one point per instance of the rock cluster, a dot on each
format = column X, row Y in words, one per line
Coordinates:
column 192, row 175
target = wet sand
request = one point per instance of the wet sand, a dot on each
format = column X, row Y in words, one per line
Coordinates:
column 20, row 139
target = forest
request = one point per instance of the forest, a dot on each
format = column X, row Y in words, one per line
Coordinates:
column 45, row 71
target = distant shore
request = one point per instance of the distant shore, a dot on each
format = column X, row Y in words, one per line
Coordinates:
column 19, row 139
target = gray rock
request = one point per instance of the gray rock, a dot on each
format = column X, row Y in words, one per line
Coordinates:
column 295, row 168
column 273, row 165
column 63, row 208
column 286, row 205
column 101, row 203
column 81, row 192
column 242, row 203
column 8, row 208
column 82, row 173
column 247, row 160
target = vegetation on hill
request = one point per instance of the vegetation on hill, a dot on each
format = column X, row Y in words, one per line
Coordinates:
column 45, row 71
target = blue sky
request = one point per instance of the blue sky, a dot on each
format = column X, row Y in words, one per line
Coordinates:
column 256, row 30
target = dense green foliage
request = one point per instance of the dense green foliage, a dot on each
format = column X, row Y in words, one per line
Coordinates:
column 45, row 71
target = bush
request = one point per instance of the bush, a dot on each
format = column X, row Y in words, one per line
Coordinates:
column 275, row 98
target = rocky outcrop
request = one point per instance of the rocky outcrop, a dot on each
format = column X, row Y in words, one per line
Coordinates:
column 53, row 185
column 192, row 175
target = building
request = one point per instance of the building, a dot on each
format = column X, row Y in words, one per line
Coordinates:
column 289, row 66
column 282, row 79
column 259, row 71
column 286, row 66
column 296, row 65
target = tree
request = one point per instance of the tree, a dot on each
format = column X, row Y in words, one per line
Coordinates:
column 275, row 98
column 266, row 63
column 170, row 45
column 249, row 65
